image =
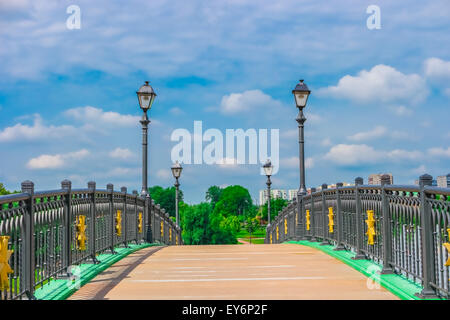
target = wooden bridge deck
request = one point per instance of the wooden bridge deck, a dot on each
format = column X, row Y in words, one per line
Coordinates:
column 277, row 271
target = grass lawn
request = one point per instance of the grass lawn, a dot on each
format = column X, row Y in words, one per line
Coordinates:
column 254, row 241
column 261, row 233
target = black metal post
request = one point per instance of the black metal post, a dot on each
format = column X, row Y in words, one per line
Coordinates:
column 136, row 217
column 67, row 185
column 301, row 140
column 359, row 221
column 268, row 199
column 340, row 220
column 177, row 185
column 92, row 223
column 150, row 216
column 125, row 214
column 312, row 219
column 144, row 122
column 385, row 213
column 28, row 236
column 324, row 215
column 427, row 229
column 110, row 189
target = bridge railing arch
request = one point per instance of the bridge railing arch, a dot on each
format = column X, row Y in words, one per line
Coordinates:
column 44, row 234
column 405, row 229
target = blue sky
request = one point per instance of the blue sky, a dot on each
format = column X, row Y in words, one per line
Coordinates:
column 68, row 108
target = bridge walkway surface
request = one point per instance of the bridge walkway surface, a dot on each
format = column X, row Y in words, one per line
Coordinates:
column 235, row 272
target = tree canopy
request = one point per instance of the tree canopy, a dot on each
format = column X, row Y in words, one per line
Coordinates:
column 4, row 191
column 213, row 195
column 165, row 197
column 234, row 200
column 276, row 205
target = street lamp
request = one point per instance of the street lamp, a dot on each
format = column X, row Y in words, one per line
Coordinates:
column 146, row 96
column 176, row 171
column 268, row 171
column 301, row 94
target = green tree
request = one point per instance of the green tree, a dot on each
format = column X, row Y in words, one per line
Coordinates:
column 165, row 197
column 276, row 205
column 223, row 229
column 234, row 200
column 251, row 225
column 213, row 195
column 195, row 223
column 4, row 191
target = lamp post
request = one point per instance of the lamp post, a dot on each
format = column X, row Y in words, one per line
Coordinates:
column 301, row 94
column 176, row 171
column 146, row 96
column 268, row 171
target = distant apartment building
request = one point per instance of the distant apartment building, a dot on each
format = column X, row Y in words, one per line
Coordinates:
column 274, row 193
column 292, row 193
column 376, row 178
column 443, row 181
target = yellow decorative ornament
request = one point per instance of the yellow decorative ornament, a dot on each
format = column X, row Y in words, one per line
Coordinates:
column 308, row 222
column 370, row 228
column 5, row 268
column 278, row 233
column 176, row 239
column 296, row 219
column 81, row 232
column 162, row 228
column 330, row 219
column 447, row 246
column 140, row 222
column 285, row 226
column 119, row 223
column 170, row 234
column 271, row 238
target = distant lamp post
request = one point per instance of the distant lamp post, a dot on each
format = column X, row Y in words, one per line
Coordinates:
column 176, row 171
column 301, row 94
column 146, row 96
column 268, row 171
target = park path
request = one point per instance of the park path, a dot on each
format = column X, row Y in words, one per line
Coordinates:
column 222, row 272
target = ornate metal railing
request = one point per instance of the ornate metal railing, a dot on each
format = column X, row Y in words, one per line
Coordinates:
column 43, row 234
column 406, row 229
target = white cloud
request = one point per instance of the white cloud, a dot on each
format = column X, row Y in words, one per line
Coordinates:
column 352, row 154
column 380, row 84
column 37, row 131
column 293, row 162
column 313, row 118
column 419, row 170
column 447, row 92
column 246, row 101
column 377, row 132
column 122, row 172
column 289, row 134
column 355, row 154
column 439, row 152
column 97, row 115
column 326, row 142
column 437, row 69
column 401, row 111
column 120, row 153
column 176, row 111
column 163, row 173
column 47, row 161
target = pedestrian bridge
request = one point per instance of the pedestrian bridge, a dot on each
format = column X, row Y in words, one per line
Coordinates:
column 231, row 272
column 361, row 242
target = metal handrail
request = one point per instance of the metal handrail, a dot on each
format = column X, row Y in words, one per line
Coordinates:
column 50, row 231
column 410, row 225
